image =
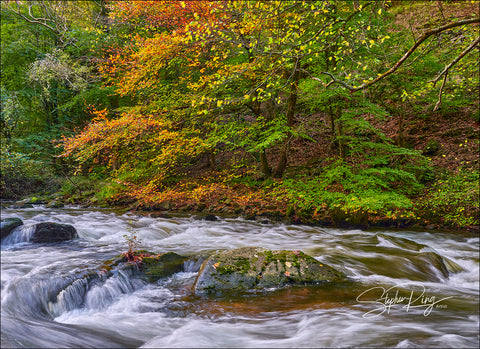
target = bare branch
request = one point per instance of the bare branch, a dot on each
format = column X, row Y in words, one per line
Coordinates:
column 440, row 93
column 455, row 61
column 51, row 17
column 334, row 79
column 31, row 19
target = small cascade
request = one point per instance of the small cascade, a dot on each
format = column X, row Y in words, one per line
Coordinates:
column 69, row 298
column 50, row 297
column 100, row 296
column 193, row 265
column 20, row 234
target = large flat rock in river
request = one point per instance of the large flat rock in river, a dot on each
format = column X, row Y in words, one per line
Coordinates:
column 255, row 268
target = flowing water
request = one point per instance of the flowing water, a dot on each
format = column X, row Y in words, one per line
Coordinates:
column 405, row 288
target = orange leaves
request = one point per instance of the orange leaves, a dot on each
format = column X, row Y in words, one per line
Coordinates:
column 161, row 44
column 97, row 115
column 135, row 149
column 165, row 14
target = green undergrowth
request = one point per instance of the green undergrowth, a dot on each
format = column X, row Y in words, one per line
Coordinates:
column 346, row 193
column 453, row 200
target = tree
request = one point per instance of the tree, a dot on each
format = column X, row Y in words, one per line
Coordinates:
column 139, row 151
column 48, row 75
column 47, row 60
column 268, row 48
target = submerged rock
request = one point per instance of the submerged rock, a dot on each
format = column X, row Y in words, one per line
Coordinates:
column 253, row 268
column 47, row 232
column 8, row 224
column 424, row 263
column 432, row 263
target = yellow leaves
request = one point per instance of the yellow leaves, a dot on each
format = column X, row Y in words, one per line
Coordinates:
column 182, row 3
column 379, row 11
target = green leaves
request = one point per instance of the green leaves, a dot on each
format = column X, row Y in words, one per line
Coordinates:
column 453, row 200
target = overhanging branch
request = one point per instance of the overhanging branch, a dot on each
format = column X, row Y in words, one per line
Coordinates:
column 425, row 36
column 455, row 61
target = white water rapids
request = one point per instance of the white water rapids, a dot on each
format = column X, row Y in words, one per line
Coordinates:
column 55, row 296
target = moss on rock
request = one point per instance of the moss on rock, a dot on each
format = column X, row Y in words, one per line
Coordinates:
column 152, row 266
column 254, row 268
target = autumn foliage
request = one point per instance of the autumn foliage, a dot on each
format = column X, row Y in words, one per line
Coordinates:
column 138, row 150
column 239, row 83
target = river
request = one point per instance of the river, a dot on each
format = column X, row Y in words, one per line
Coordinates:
column 399, row 293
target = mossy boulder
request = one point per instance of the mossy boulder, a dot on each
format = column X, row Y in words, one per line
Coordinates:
column 8, row 224
column 255, row 268
column 153, row 266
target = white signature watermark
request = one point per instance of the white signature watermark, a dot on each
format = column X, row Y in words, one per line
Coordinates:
column 387, row 298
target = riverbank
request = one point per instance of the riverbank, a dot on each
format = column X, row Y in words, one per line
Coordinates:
column 269, row 202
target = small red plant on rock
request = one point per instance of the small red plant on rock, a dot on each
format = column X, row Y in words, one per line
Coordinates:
column 133, row 242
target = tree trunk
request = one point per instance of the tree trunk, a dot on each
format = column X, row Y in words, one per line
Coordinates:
column 332, row 126
column 401, row 137
column 336, row 130
column 339, row 132
column 291, row 104
column 282, row 163
column 264, row 164
column 211, row 159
